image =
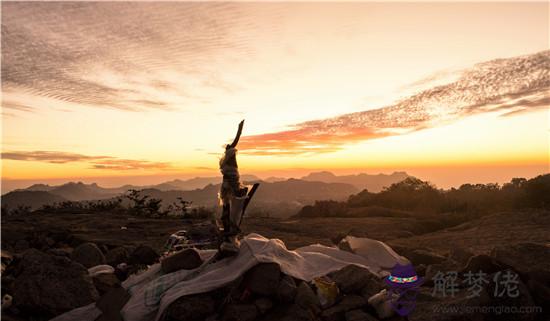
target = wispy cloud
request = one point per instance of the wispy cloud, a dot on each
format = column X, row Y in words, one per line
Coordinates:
column 125, row 56
column 96, row 162
column 509, row 86
column 16, row 106
column 129, row 164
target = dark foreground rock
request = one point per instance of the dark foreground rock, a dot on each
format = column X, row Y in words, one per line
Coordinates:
column 88, row 254
column 359, row 315
column 188, row 259
column 353, row 279
column 191, row 308
column 483, row 263
column 240, row 312
column 143, row 254
column 116, row 256
column 338, row 311
column 263, row 279
column 49, row 285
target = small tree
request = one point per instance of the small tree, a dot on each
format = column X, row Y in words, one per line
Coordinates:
column 181, row 207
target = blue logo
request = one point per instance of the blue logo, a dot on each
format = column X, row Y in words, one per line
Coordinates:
column 404, row 285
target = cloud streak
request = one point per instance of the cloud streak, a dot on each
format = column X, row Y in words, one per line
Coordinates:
column 510, row 86
column 96, row 162
column 124, row 56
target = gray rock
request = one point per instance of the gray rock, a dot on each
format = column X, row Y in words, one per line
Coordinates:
column 240, row 312
column 188, row 259
column 116, row 256
column 352, row 279
column 263, row 305
column 348, row 303
column 191, row 308
column 88, row 254
column 359, row 315
column 286, row 292
column 263, row 279
column 373, row 286
column 104, row 282
column 50, row 285
column 143, row 254
column 307, row 299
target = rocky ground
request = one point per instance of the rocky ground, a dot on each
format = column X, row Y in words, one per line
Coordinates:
column 46, row 257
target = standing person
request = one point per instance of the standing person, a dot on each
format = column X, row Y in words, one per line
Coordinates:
column 233, row 196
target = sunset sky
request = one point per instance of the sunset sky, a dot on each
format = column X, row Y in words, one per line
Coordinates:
column 136, row 93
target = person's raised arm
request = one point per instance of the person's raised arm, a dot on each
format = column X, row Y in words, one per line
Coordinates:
column 238, row 136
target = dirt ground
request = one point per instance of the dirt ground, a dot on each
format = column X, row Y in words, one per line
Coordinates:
column 113, row 230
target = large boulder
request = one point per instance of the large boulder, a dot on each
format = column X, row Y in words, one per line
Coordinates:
column 104, row 282
column 353, row 279
column 143, row 254
column 50, row 285
column 483, row 263
column 348, row 303
column 191, row 308
column 188, row 259
column 307, row 299
column 286, row 291
column 460, row 255
column 88, row 254
column 263, row 279
column 263, row 305
column 116, row 256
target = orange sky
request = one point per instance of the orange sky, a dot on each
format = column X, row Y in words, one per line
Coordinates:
column 144, row 92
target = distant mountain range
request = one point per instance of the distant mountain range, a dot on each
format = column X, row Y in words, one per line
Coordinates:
column 202, row 191
column 373, row 183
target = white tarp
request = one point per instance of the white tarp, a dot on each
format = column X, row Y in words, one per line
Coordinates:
column 152, row 292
